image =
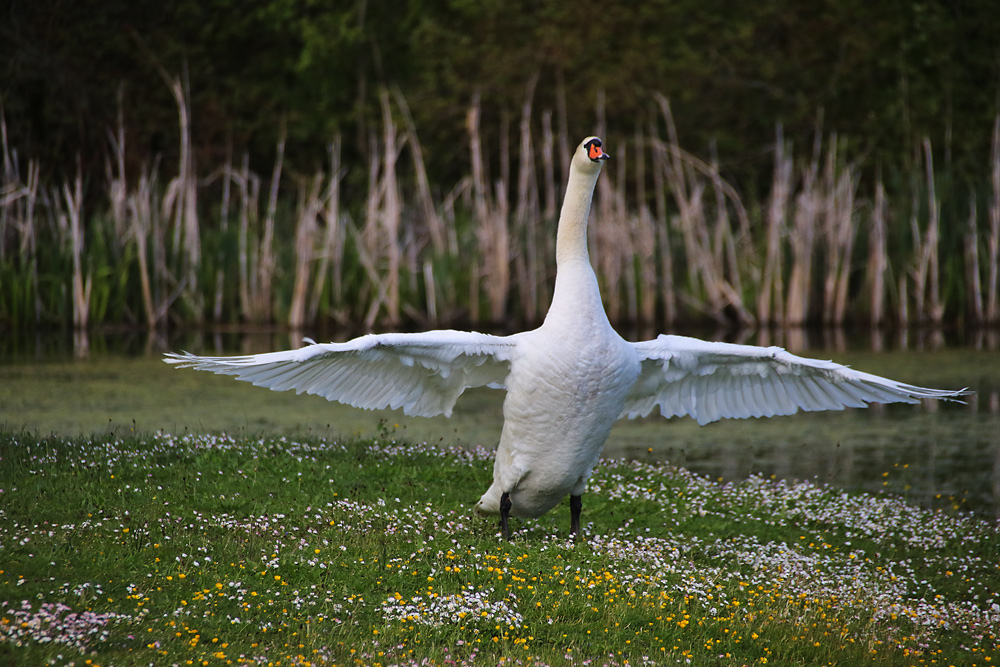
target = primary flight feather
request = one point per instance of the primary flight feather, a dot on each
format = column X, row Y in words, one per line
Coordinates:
column 567, row 381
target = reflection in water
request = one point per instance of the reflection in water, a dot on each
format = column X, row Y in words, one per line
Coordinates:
column 17, row 345
column 938, row 454
column 81, row 344
column 948, row 460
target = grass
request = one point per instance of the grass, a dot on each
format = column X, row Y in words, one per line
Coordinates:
column 213, row 550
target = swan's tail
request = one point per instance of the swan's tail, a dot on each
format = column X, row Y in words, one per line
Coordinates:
column 489, row 504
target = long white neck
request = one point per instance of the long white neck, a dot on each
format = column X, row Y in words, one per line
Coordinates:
column 571, row 236
column 577, row 298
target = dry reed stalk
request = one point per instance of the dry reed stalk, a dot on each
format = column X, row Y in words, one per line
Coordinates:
column 72, row 217
column 725, row 251
column 10, row 185
column 116, row 178
column 548, row 167
column 141, row 208
column 808, row 204
column 878, row 255
column 29, row 245
column 526, row 213
column 243, row 252
column 476, row 155
column 430, row 292
column 248, row 185
column 411, row 248
column 462, row 192
column 847, row 237
column 658, row 152
column 562, row 125
column 368, row 235
column 432, row 221
column 262, row 275
column 503, row 178
column 972, row 269
column 839, row 233
column 770, row 299
column 18, row 200
column 604, row 241
column 644, row 237
column 545, row 240
column 495, row 243
column 993, row 239
column 721, row 234
column 705, row 274
column 375, row 279
column 904, row 306
column 611, row 238
column 675, row 179
column 224, row 206
column 492, row 231
column 936, row 307
column 310, row 207
column 926, row 272
column 333, row 241
column 626, row 248
column 181, row 202
column 392, row 209
column 383, row 217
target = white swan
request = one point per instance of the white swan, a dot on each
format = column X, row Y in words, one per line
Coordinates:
column 568, row 381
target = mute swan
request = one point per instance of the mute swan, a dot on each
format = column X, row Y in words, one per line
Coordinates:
column 567, row 381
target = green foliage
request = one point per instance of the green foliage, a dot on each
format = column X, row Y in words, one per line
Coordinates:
column 880, row 75
column 264, row 549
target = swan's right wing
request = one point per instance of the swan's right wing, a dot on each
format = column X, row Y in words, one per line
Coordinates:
column 422, row 373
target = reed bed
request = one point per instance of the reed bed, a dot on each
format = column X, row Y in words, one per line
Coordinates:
column 673, row 241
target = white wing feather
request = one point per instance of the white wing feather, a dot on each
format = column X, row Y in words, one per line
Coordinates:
column 422, row 373
column 712, row 381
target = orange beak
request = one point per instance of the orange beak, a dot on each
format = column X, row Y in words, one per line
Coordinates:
column 597, row 153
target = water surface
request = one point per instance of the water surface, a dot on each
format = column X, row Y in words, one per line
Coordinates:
column 937, row 454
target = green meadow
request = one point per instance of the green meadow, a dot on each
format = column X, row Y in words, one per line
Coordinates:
column 124, row 549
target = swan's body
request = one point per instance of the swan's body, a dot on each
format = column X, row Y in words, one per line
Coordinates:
column 568, row 381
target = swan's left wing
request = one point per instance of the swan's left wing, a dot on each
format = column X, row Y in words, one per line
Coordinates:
column 711, row 381
column 422, row 373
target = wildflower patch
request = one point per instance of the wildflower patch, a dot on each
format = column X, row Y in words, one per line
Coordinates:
column 215, row 550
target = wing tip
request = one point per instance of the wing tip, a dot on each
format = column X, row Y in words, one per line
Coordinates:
column 178, row 357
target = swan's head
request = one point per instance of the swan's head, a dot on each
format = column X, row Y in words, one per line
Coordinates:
column 590, row 155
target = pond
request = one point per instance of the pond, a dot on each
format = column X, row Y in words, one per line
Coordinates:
column 937, row 454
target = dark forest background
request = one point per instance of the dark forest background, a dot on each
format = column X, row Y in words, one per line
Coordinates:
column 883, row 75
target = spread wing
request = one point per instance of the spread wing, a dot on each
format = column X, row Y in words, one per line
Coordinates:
column 422, row 373
column 712, row 381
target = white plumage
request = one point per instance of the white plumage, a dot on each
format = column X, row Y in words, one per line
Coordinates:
column 568, row 381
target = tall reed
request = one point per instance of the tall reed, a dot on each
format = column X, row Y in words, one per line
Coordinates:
column 672, row 240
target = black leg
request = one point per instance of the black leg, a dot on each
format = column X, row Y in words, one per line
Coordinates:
column 505, row 506
column 575, row 506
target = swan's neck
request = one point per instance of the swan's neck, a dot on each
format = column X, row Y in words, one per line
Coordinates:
column 576, row 301
column 571, row 237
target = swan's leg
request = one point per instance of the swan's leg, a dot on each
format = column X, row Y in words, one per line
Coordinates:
column 575, row 506
column 505, row 506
